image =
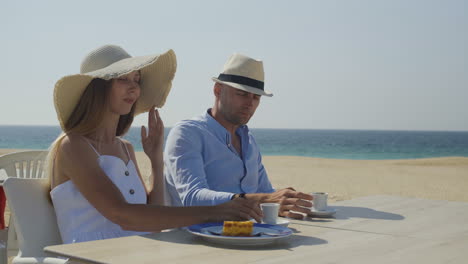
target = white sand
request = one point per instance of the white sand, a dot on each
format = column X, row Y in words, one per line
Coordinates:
column 434, row 178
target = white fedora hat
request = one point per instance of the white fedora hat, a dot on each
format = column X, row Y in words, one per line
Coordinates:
column 243, row 73
column 108, row 62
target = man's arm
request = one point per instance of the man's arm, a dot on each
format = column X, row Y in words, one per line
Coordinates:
column 184, row 165
column 264, row 184
column 288, row 198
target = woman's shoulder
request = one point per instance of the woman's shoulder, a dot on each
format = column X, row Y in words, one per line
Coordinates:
column 74, row 146
column 74, row 154
column 71, row 141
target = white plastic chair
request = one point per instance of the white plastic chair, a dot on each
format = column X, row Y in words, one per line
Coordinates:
column 34, row 218
column 24, row 164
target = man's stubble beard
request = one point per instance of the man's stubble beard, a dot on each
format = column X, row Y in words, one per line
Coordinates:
column 233, row 119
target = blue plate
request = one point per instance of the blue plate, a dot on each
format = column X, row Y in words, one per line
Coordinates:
column 266, row 234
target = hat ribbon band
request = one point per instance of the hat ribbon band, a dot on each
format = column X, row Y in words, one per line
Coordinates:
column 241, row 80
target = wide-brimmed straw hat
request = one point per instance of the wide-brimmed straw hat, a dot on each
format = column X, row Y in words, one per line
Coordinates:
column 243, row 73
column 108, row 62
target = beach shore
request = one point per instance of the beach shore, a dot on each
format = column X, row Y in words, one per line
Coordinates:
column 433, row 178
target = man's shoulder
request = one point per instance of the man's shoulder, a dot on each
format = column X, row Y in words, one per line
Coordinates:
column 190, row 132
column 193, row 126
column 189, row 124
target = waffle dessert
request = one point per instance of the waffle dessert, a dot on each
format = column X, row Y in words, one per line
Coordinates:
column 237, row 228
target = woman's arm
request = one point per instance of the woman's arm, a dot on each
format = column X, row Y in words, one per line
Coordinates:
column 79, row 163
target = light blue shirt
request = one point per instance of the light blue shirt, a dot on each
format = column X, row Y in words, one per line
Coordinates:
column 203, row 168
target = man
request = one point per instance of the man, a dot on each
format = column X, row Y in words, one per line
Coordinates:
column 213, row 158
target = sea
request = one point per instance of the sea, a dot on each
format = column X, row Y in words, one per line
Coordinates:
column 337, row 144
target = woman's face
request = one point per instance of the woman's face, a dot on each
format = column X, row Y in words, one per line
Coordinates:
column 125, row 91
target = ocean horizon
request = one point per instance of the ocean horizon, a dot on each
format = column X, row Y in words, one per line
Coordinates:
column 321, row 143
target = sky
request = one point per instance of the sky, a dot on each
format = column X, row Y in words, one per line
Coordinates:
column 385, row 65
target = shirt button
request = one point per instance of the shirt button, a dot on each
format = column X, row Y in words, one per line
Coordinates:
column 132, row 191
column 127, row 173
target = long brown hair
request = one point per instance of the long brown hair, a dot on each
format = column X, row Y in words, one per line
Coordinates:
column 89, row 112
column 88, row 115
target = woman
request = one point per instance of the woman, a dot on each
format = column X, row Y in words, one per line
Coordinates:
column 97, row 189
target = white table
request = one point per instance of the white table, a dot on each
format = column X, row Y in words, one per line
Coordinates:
column 374, row 229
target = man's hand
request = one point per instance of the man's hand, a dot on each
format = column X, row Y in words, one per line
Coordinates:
column 292, row 200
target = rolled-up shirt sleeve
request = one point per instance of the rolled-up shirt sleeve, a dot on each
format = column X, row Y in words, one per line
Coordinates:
column 184, row 164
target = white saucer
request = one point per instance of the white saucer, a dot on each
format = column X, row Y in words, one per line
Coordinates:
column 282, row 221
column 324, row 213
column 279, row 221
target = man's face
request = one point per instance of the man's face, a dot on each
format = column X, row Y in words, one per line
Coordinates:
column 237, row 106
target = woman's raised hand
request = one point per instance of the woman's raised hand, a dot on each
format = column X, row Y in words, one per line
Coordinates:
column 153, row 139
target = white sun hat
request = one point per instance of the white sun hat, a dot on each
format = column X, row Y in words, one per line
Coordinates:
column 244, row 73
column 111, row 61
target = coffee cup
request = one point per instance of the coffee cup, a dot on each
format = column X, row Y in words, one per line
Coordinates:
column 320, row 201
column 270, row 213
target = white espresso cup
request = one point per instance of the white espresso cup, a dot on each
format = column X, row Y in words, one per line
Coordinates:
column 270, row 213
column 320, row 201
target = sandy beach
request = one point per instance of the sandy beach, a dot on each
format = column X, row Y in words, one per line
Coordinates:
column 433, row 178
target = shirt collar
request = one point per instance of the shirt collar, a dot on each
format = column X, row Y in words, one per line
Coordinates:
column 220, row 131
